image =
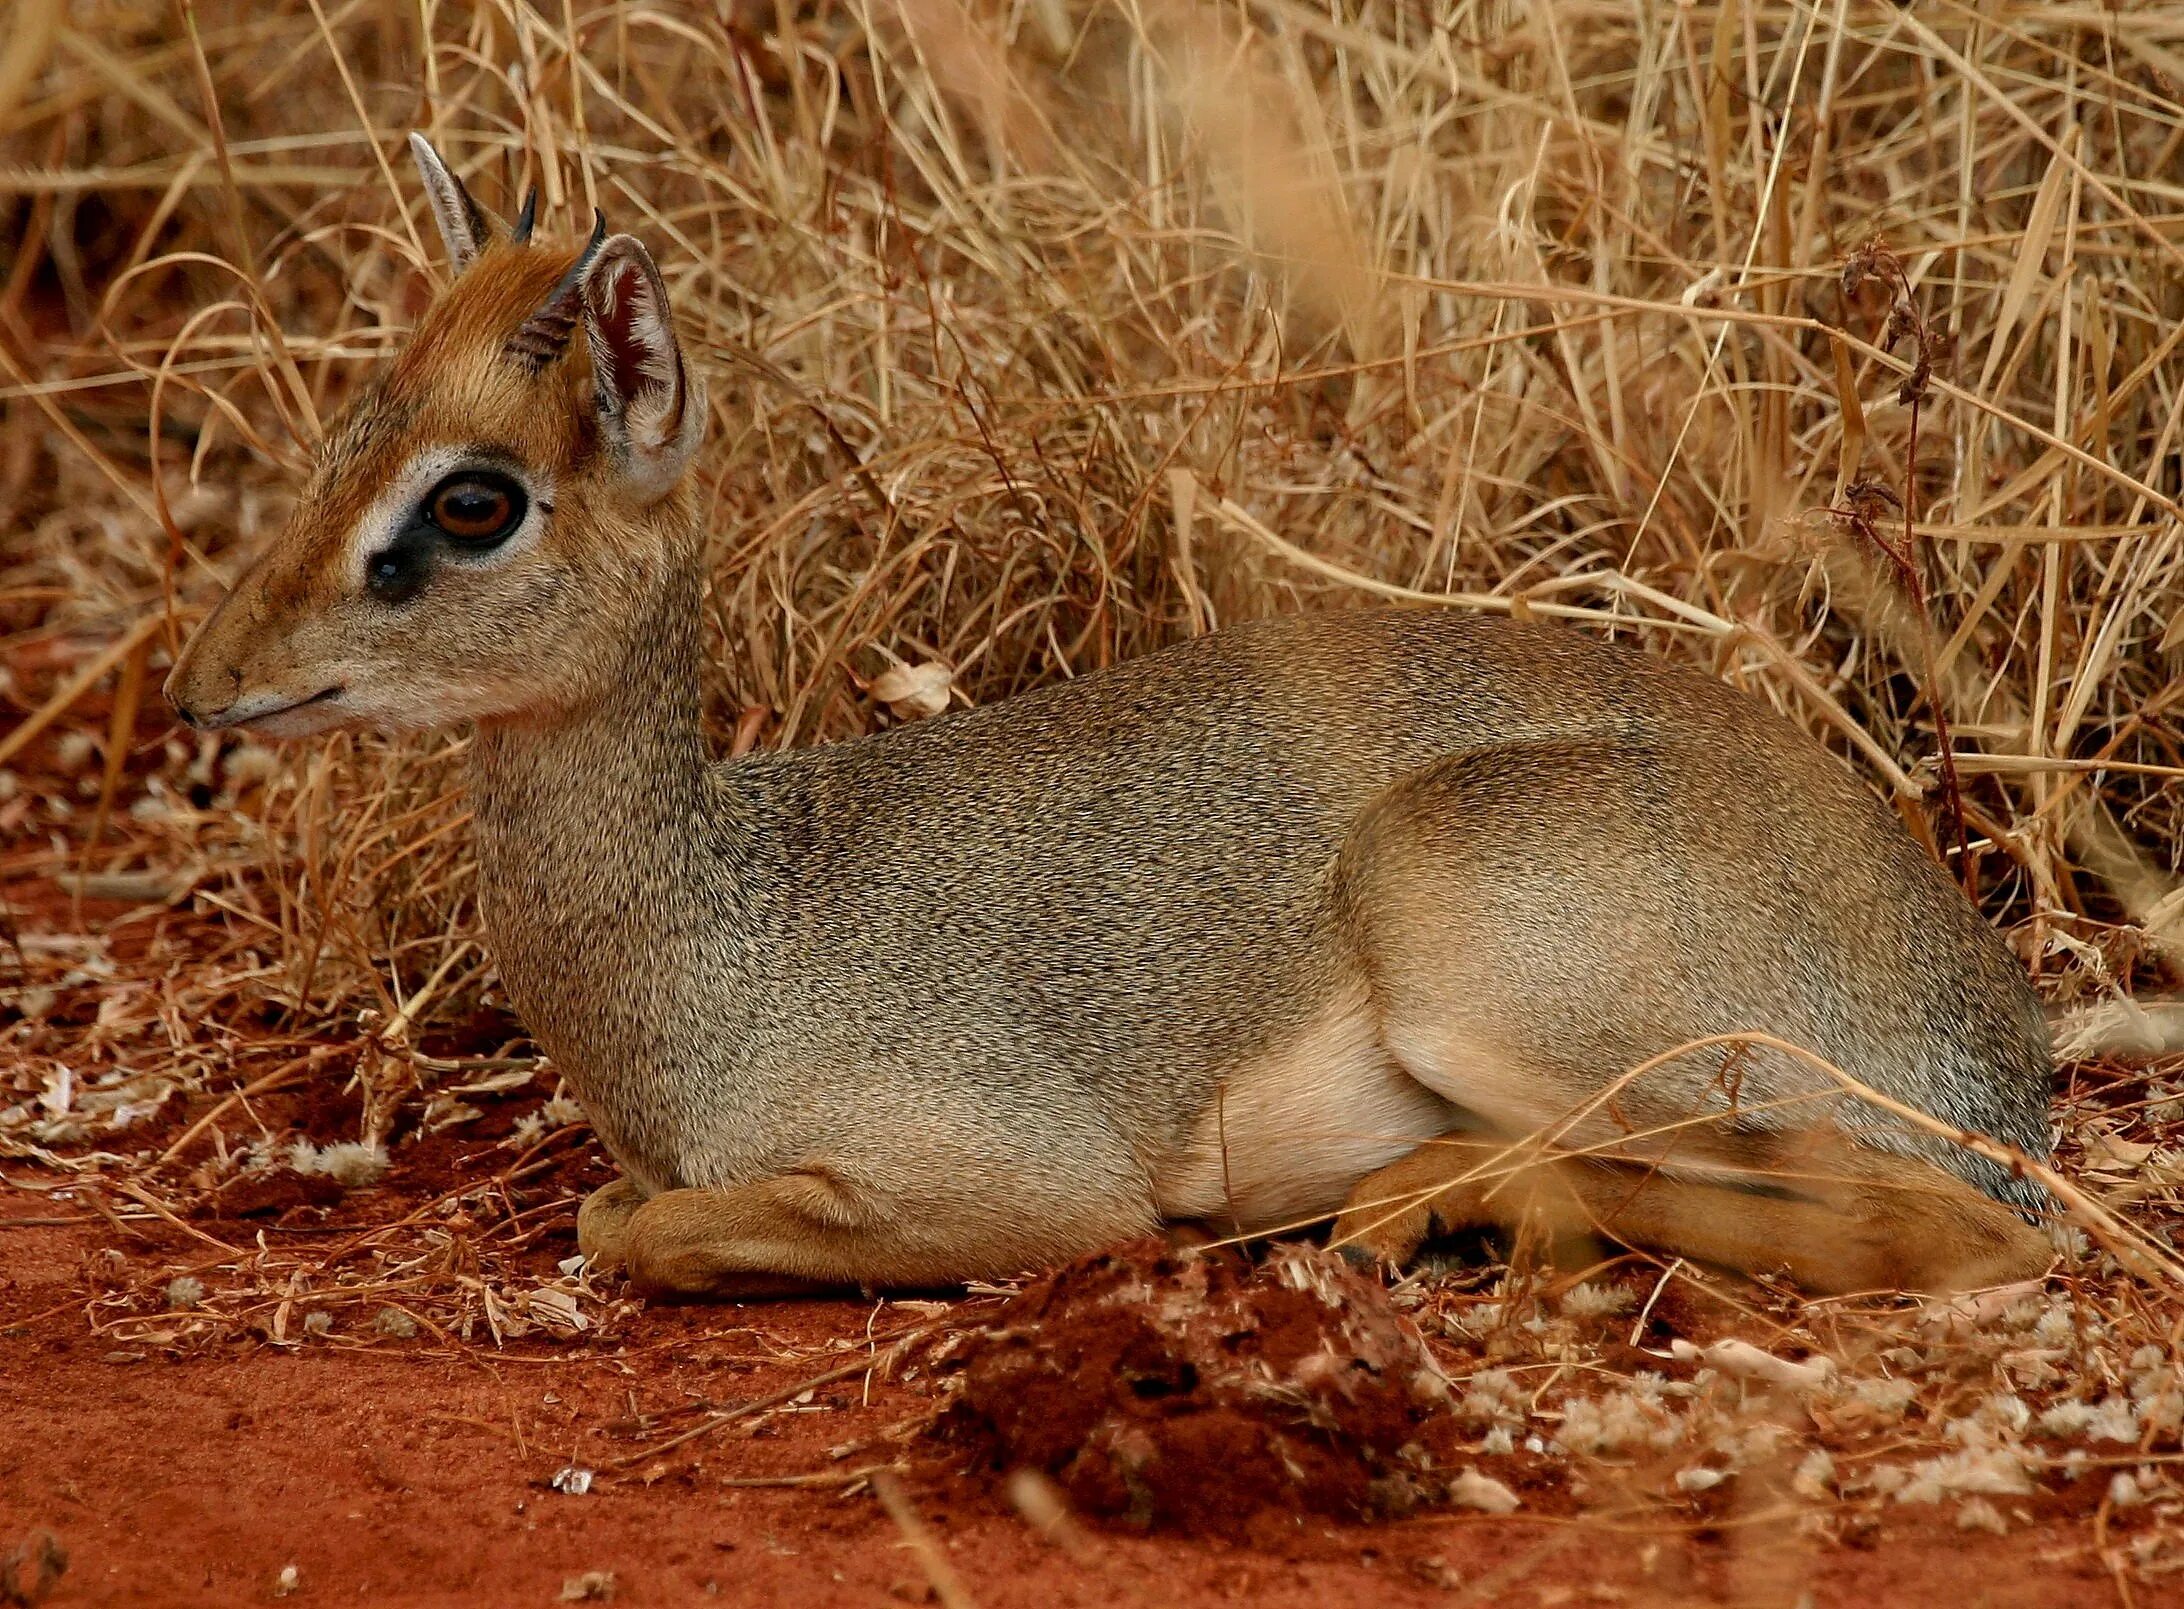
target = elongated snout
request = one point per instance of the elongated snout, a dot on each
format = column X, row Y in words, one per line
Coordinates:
column 205, row 687
column 258, row 709
column 235, row 672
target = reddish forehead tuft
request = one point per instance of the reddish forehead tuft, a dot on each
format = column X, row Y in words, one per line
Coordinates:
column 455, row 384
column 468, row 327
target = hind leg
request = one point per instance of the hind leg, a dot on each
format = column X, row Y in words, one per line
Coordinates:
column 1844, row 1218
column 1539, row 918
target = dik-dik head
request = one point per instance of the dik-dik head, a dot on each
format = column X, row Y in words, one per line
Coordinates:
column 486, row 525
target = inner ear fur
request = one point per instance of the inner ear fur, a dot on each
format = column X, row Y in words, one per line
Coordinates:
column 653, row 410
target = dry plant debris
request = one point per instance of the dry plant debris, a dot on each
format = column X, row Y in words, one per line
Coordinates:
column 1830, row 348
column 1193, row 1391
column 31, row 1570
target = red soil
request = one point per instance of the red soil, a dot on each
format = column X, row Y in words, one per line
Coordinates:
column 410, row 1473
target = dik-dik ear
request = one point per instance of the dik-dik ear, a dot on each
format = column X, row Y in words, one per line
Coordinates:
column 463, row 223
column 653, row 411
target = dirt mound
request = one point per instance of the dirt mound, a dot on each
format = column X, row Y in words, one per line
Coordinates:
column 1194, row 1391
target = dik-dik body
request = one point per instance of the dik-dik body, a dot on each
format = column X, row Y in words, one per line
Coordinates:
column 1308, row 914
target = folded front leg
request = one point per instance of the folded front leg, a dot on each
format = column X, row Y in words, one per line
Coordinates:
column 792, row 1235
column 820, row 1226
column 914, row 1197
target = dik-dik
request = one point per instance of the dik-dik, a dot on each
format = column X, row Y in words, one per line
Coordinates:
column 1312, row 917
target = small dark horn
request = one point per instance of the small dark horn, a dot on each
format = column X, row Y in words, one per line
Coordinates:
column 545, row 334
column 521, row 234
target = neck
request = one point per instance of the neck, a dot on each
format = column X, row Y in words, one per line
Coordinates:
column 632, row 757
column 589, row 829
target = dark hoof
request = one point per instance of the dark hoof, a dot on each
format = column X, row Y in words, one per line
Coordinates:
column 1360, row 1259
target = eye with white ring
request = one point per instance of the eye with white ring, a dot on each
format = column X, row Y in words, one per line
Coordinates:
column 476, row 508
column 449, row 509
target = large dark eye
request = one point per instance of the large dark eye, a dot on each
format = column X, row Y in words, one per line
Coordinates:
column 475, row 508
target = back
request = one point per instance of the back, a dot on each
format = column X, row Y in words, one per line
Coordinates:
column 1124, row 879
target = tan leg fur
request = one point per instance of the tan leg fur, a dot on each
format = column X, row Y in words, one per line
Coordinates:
column 797, row 1234
column 733, row 1244
column 720, row 1243
column 1842, row 1218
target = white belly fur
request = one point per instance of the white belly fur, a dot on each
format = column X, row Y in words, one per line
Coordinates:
column 1294, row 1130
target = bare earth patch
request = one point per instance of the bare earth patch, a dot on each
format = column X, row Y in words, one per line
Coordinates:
column 1189, row 1391
column 191, row 1423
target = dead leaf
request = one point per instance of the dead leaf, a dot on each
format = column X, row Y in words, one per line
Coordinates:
column 2108, row 1154
column 913, row 691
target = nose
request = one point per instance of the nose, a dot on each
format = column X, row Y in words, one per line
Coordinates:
column 179, row 701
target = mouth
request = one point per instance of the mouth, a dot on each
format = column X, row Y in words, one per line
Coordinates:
column 283, row 720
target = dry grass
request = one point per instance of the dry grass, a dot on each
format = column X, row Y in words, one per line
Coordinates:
column 1831, row 346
